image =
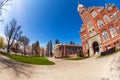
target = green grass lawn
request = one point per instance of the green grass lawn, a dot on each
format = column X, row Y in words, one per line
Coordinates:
column 29, row 59
column 79, row 58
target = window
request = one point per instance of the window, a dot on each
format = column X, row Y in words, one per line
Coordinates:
column 118, row 28
column 82, row 11
column 92, row 31
column 94, row 14
column 113, row 31
column 105, row 35
column 86, row 45
column 100, row 23
column 90, row 25
column 109, row 8
column 106, row 19
column 115, row 16
column 86, row 18
column 99, row 9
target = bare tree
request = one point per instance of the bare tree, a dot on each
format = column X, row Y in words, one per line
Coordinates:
column 42, row 52
column 12, row 32
column 3, row 3
column 18, row 41
column 37, row 49
column 25, row 41
column 47, row 50
column 33, row 49
column 28, row 49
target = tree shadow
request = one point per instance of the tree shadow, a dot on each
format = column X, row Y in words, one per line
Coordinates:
column 17, row 67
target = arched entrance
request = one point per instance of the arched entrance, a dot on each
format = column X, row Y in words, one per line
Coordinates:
column 95, row 47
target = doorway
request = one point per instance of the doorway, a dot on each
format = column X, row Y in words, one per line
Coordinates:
column 95, row 47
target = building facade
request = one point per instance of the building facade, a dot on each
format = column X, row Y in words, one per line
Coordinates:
column 101, row 28
column 67, row 50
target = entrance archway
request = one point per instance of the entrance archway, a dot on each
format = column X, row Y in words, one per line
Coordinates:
column 95, row 47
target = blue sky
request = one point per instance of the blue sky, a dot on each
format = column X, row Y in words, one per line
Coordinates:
column 46, row 20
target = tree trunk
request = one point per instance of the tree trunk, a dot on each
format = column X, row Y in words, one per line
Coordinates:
column 24, row 50
column 8, row 49
column 16, row 48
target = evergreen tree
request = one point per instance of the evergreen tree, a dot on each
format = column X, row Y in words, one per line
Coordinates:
column 71, row 42
column 47, row 50
column 50, row 48
column 57, row 41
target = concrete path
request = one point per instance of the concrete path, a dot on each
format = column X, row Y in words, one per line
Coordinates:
column 88, row 69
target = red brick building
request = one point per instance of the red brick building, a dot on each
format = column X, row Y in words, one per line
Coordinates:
column 101, row 28
column 67, row 50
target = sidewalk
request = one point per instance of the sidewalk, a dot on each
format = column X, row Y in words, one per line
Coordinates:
column 88, row 69
column 12, row 70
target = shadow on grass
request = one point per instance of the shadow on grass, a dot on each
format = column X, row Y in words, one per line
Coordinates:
column 17, row 67
column 35, row 60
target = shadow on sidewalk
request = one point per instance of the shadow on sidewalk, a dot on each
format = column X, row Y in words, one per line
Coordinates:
column 17, row 67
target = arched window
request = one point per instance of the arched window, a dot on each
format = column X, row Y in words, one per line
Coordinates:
column 100, row 23
column 105, row 35
column 106, row 19
column 113, row 31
